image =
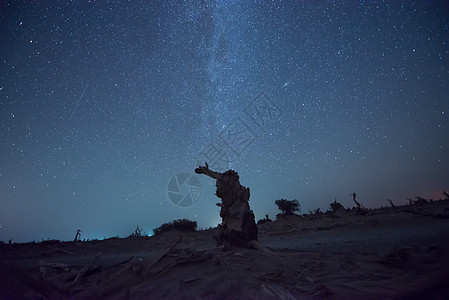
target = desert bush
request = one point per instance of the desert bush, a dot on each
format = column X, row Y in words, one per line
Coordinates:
column 287, row 207
column 335, row 206
column 181, row 225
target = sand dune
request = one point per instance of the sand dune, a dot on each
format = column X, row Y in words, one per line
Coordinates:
column 399, row 253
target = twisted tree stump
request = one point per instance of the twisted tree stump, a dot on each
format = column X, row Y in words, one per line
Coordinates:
column 238, row 226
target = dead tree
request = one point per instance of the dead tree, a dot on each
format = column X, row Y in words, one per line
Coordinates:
column 359, row 207
column 446, row 194
column 391, row 203
column 138, row 231
column 77, row 235
column 238, row 226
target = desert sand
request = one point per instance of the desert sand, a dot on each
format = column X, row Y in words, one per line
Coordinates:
column 388, row 253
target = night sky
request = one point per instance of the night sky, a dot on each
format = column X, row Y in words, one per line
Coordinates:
column 106, row 108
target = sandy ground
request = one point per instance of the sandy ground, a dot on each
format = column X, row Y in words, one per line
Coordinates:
column 400, row 253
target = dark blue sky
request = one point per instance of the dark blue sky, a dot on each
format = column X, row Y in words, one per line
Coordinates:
column 103, row 103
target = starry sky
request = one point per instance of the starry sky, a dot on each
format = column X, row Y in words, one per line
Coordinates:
column 107, row 107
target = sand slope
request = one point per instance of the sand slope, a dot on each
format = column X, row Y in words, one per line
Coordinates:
column 400, row 253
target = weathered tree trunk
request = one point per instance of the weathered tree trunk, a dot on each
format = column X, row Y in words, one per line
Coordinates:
column 77, row 235
column 238, row 226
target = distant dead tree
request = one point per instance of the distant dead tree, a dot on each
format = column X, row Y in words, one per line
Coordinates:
column 410, row 201
column 359, row 207
column 445, row 194
column 391, row 203
column 138, row 231
column 77, row 235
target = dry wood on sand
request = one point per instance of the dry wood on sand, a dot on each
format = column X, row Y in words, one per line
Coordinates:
column 397, row 252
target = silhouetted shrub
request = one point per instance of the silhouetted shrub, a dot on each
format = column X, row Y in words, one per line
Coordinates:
column 287, row 207
column 181, row 225
column 335, row 206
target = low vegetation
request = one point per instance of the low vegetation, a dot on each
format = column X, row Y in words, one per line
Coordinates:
column 181, row 225
column 287, row 207
column 335, row 205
